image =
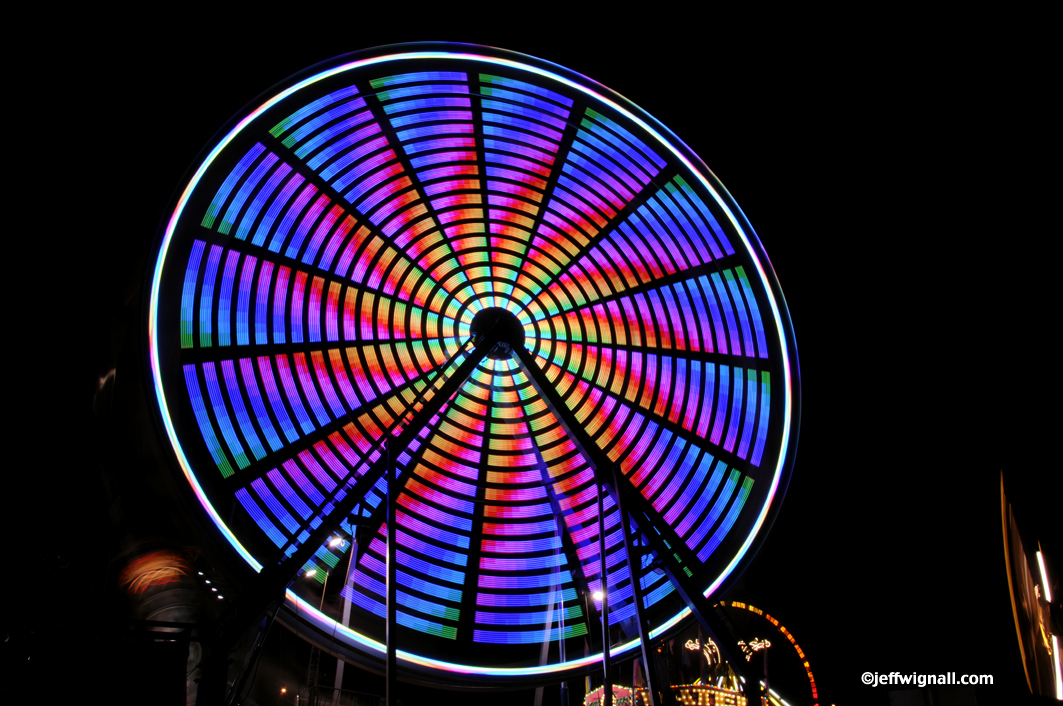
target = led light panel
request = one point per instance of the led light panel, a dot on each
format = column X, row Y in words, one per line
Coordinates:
column 320, row 272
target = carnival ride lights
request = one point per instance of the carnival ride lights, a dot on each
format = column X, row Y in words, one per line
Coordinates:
column 325, row 267
column 753, row 646
column 765, row 643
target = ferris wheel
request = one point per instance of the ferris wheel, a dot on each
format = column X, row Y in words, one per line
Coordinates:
column 521, row 295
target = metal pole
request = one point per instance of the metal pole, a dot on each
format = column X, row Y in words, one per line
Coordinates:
column 391, row 632
column 765, row 651
column 660, row 534
column 634, row 565
column 607, row 685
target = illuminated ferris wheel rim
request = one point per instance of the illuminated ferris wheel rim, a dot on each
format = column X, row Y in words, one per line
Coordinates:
column 667, row 140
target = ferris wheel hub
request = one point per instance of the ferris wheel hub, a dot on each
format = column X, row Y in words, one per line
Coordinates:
column 503, row 325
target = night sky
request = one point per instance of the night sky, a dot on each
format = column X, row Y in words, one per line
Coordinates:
column 896, row 183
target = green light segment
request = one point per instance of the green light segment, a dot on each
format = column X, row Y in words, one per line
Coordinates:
column 446, row 631
column 188, row 293
column 436, row 304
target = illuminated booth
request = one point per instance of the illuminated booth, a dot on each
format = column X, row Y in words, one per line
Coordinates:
column 519, row 298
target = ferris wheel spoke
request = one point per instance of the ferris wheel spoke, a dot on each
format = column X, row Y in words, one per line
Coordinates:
column 341, row 502
column 596, row 456
column 572, row 489
column 330, row 241
column 668, row 454
column 363, row 167
column 603, row 175
column 345, row 455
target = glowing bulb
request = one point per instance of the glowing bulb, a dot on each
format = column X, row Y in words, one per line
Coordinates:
column 336, row 542
column 1044, row 577
column 1059, row 667
column 311, row 572
column 598, row 595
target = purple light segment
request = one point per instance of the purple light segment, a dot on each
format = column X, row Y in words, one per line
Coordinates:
column 260, row 200
column 728, row 312
column 312, row 214
column 274, row 396
column 314, row 310
column 698, row 535
column 736, row 409
column 188, row 292
column 281, row 234
column 690, row 492
column 363, row 166
column 320, row 232
column 251, row 386
column 751, row 407
column 280, row 296
column 336, row 147
column 704, row 496
column 312, row 126
column 265, row 274
column 307, row 385
column 217, row 402
column 206, row 302
column 289, row 494
column 245, row 191
column 252, row 508
column 728, row 521
column 303, row 483
column 225, row 298
column 765, row 409
column 274, row 506
column 205, row 426
column 319, row 474
column 232, row 386
column 311, row 108
column 277, row 206
column 628, row 138
column 230, row 183
column 523, row 111
column 440, row 535
column 321, row 373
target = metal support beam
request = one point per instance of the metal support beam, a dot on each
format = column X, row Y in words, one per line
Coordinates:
column 634, row 564
column 391, row 631
column 640, row 510
column 607, row 682
column 274, row 578
column 567, row 544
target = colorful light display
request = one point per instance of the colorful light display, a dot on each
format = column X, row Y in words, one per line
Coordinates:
column 321, row 270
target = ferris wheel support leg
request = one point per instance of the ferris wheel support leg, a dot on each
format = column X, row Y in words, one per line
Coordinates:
column 655, row 529
column 275, row 577
column 649, row 663
column 567, row 544
column 607, row 681
column 392, row 627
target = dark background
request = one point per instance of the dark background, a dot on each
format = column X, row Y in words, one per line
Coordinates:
column 897, row 171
